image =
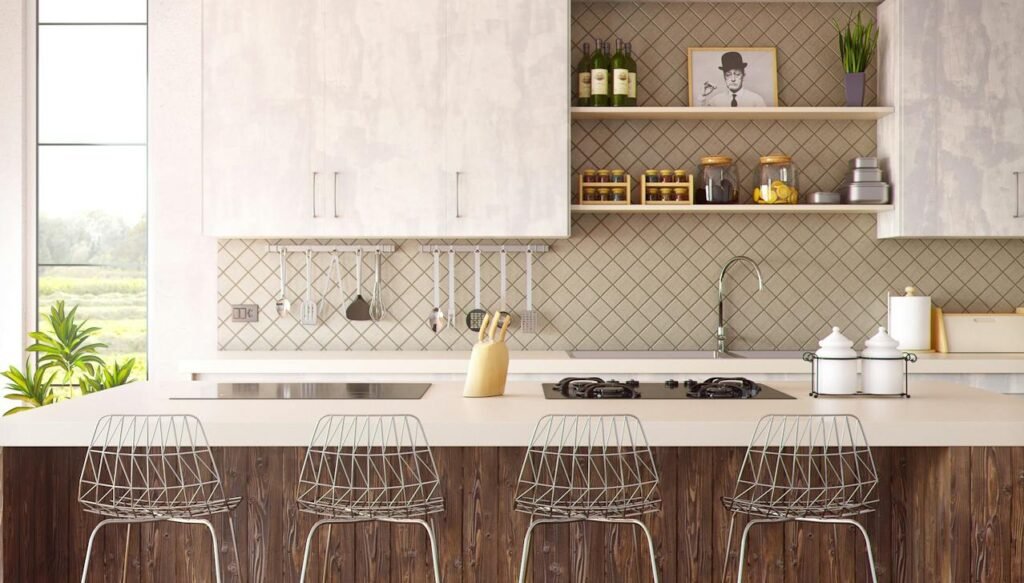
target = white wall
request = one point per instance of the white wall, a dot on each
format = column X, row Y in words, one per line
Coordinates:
column 13, row 176
column 182, row 263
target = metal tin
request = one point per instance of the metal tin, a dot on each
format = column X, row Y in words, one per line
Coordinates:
column 866, row 175
column 823, row 198
column 864, row 193
column 864, row 162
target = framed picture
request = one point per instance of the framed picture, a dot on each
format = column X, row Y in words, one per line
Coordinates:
column 733, row 77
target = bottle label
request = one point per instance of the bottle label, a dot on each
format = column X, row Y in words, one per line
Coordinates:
column 584, row 87
column 599, row 81
column 620, row 83
column 632, row 85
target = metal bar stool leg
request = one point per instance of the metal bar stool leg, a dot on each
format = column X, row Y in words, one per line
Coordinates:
column 234, row 545
column 728, row 547
column 867, row 544
column 743, row 546
column 434, row 554
column 88, row 548
column 124, row 560
column 527, row 544
column 650, row 548
column 309, row 543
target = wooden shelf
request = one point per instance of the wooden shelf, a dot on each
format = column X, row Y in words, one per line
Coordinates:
column 727, row 113
column 753, row 209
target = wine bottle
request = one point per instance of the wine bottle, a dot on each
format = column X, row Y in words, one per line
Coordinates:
column 631, row 63
column 599, row 77
column 583, row 78
column 620, row 76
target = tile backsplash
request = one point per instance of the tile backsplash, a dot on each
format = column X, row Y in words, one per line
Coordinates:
column 648, row 282
column 645, row 282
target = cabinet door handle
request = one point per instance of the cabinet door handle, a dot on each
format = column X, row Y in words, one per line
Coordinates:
column 315, row 174
column 335, row 185
column 1016, row 195
column 458, row 211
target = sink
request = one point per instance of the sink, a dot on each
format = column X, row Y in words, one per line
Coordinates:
column 683, row 354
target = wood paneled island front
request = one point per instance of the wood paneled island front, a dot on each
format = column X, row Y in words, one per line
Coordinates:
column 952, row 495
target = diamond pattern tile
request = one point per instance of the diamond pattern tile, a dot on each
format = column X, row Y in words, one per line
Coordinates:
column 643, row 283
column 648, row 282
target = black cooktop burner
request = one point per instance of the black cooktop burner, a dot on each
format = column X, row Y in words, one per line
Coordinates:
column 722, row 388
column 712, row 388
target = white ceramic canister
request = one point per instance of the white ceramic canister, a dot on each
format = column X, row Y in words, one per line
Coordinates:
column 882, row 377
column 836, row 377
column 910, row 320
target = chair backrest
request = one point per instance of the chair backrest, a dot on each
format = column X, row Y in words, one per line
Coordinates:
column 588, row 462
column 800, row 462
column 145, row 462
column 367, row 463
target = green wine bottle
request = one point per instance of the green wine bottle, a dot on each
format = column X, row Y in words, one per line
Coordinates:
column 583, row 98
column 631, row 63
column 599, row 76
column 620, row 76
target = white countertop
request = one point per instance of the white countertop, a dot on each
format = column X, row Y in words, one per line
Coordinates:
column 552, row 363
column 938, row 414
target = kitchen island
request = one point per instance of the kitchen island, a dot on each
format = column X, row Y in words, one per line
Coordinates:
column 950, row 461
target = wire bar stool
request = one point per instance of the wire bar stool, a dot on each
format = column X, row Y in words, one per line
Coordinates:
column 805, row 468
column 588, row 468
column 360, row 468
column 150, row 468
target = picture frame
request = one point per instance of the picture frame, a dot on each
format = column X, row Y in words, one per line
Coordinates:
column 733, row 76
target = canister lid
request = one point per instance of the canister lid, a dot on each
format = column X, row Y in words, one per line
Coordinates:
column 776, row 159
column 715, row 160
column 835, row 345
column 882, row 345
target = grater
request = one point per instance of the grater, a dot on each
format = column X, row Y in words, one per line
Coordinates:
column 529, row 320
column 475, row 317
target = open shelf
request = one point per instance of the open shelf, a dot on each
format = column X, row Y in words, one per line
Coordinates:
column 727, row 113
column 753, row 209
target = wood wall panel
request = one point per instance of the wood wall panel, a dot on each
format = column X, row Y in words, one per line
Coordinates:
column 946, row 514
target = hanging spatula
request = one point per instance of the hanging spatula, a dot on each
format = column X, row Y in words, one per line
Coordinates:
column 529, row 321
column 310, row 313
column 359, row 309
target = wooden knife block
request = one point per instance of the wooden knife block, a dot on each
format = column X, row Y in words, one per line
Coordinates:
column 488, row 370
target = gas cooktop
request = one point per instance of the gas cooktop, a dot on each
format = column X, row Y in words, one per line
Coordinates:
column 712, row 388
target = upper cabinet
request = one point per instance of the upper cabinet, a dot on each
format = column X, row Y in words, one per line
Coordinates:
column 955, row 145
column 507, row 118
column 367, row 118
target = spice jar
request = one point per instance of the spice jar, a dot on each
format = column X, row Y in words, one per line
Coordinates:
column 590, row 175
column 602, row 194
column 618, row 175
column 651, row 176
column 837, row 365
column 654, row 193
column 680, row 194
column 679, row 176
column 590, row 194
column 883, row 365
column 718, row 180
column 776, row 182
column 604, row 176
column 665, row 175
column 619, row 194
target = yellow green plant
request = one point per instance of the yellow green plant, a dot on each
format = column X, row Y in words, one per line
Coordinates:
column 32, row 387
column 69, row 346
column 857, row 44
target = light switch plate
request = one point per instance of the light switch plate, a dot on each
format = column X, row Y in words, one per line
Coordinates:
column 245, row 313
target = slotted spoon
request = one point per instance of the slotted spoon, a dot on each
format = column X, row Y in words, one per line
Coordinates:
column 529, row 320
column 437, row 320
column 283, row 304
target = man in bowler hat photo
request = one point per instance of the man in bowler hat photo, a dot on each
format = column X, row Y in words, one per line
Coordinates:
column 734, row 70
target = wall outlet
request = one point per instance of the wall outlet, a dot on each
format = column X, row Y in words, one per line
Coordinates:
column 245, row 313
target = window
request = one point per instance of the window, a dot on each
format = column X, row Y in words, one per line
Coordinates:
column 91, row 135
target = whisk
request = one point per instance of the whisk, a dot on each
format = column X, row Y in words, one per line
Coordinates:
column 378, row 309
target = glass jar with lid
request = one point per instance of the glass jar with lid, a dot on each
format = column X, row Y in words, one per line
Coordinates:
column 618, row 175
column 651, row 176
column 718, row 180
column 604, row 176
column 602, row 194
column 589, row 175
column 776, row 181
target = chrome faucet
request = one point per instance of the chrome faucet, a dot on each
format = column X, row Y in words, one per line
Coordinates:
column 720, row 336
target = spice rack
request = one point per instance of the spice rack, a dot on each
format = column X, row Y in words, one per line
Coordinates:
column 625, row 188
column 647, row 198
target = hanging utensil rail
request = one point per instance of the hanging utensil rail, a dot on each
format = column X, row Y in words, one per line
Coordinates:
column 484, row 248
column 331, row 248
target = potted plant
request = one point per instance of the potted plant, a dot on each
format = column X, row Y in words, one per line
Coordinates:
column 857, row 44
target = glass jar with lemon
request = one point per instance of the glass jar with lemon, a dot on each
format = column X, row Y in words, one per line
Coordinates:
column 776, row 181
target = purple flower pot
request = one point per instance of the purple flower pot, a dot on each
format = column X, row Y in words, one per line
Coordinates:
column 854, row 83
